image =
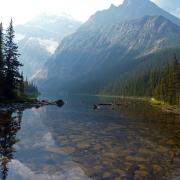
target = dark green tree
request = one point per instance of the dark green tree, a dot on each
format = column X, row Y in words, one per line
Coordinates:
column 21, row 84
column 30, row 88
column 9, row 126
column 163, row 83
column 12, row 64
column 1, row 62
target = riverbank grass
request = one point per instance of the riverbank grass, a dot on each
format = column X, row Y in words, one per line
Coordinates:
column 164, row 106
column 156, row 102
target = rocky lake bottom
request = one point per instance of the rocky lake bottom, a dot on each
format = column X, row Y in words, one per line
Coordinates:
column 130, row 141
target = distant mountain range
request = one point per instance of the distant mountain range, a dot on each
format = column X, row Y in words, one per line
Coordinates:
column 110, row 45
column 39, row 38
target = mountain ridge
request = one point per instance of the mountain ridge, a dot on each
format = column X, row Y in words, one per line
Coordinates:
column 89, row 56
column 103, row 49
column 130, row 10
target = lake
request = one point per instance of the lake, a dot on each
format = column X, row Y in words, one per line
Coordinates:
column 132, row 141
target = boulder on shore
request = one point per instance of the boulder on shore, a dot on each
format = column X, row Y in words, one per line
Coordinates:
column 59, row 103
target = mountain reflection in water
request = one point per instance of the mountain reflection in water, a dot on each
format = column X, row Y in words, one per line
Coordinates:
column 131, row 141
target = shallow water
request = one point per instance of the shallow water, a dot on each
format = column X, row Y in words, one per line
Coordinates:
column 129, row 141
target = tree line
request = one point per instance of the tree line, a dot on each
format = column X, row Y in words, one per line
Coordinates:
column 30, row 88
column 162, row 83
column 12, row 85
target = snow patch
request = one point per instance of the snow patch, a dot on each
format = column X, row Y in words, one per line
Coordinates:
column 40, row 75
column 49, row 44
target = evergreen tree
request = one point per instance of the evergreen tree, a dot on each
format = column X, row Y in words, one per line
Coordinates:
column 12, row 64
column 30, row 88
column 1, row 62
column 9, row 126
column 21, row 84
column 1, row 52
column 162, row 83
column 12, row 85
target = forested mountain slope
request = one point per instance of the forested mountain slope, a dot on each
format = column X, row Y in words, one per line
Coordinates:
column 108, row 51
column 111, row 45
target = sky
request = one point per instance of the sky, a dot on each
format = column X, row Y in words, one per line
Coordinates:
column 24, row 10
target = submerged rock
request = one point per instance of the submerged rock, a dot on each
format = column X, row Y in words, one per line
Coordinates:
column 95, row 106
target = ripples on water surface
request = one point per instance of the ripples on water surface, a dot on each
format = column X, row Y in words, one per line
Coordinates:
column 131, row 141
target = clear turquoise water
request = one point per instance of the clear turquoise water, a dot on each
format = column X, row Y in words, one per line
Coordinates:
column 130, row 141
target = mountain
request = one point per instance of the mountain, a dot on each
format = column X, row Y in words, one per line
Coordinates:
column 130, row 9
column 39, row 38
column 110, row 44
column 47, row 26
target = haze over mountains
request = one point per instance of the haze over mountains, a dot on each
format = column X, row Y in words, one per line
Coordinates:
column 39, row 38
column 110, row 45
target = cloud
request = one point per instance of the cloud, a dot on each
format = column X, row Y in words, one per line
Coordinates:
column 24, row 10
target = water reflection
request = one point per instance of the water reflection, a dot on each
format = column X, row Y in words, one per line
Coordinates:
column 9, row 125
column 132, row 141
